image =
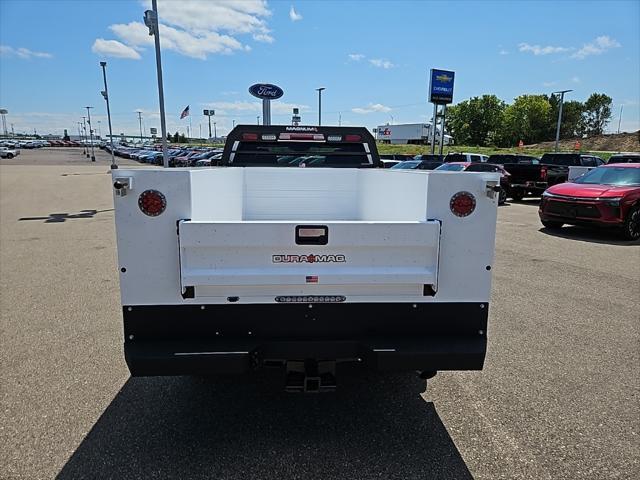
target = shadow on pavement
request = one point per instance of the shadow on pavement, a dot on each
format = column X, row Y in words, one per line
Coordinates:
column 63, row 217
column 605, row 236
column 185, row 427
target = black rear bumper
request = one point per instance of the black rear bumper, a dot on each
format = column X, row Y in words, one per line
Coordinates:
column 233, row 339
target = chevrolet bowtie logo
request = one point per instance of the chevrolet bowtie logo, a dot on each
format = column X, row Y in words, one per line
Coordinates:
column 444, row 78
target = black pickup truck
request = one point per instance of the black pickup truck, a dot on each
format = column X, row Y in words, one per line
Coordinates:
column 533, row 177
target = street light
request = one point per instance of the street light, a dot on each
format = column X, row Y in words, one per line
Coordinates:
column 140, row 122
column 258, row 119
column 151, row 21
column 93, row 157
column 84, row 141
column 80, row 135
column 319, row 90
column 99, row 132
column 105, row 94
column 561, row 92
column 215, row 132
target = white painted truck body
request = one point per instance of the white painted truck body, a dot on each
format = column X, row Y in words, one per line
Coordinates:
column 225, row 261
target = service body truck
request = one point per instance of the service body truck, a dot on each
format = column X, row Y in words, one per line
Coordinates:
column 238, row 268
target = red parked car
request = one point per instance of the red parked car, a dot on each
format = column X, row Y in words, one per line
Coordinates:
column 607, row 196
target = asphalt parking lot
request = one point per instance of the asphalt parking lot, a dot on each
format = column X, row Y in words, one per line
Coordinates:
column 559, row 396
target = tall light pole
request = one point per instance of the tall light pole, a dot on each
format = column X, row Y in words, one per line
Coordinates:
column 319, row 90
column 151, row 21
column 99, row 132
column 140, row 122
column 93, row 157
column 215, row 132
column 80, row 133
column 561, row 92
column 84, row 141
column 105, row 94
column 258, row 119
column 619, row 120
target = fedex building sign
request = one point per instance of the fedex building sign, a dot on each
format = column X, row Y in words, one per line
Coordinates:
column 441, row 86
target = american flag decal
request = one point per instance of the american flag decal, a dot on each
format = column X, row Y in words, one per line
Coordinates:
column 312, row 279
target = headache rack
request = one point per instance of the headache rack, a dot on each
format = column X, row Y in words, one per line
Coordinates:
column 300, row 146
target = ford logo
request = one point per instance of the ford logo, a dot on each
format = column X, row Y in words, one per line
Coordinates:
column 266, row 91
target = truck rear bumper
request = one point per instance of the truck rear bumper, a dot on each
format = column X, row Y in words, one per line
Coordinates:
column 234, row 339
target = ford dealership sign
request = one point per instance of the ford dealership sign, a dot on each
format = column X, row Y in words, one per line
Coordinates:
column 266, row 91
column 441, row 86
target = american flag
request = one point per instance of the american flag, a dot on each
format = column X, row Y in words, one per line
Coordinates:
column 185, row 113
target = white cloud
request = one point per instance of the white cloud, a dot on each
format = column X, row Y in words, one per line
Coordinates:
column 575, row 79
column 199, row 46
column 597, row 47
column 503, row 52
column 113, row 48
column 381, row 63
column 293, row 15
column 538, row 50
column 195, row 28
column 6, row 50
column 371, row 108
column 356, row 57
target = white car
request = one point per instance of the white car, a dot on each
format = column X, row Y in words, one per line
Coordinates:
column 465, row 157
column 8, row 152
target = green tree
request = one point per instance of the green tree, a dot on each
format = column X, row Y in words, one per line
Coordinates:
column 597, row 113
column 571, row 125
column 476, row 121
column 527, row 119
column 183, row 138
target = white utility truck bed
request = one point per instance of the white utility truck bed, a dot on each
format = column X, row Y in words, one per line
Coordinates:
column 227, row 270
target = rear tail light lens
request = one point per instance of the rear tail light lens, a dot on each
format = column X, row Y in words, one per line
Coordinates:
column 543, row 174
column 462, row 204
column 252, row 137
column 152, row 203
column 352, row 138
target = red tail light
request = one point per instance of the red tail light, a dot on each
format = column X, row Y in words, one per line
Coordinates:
column 352, row 138
column 252, row 137
column 462, row 204
column 152, row 203
column 543, row 174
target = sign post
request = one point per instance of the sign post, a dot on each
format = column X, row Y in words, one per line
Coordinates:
column 266, row 92
column 209, row 113
column 440, row 93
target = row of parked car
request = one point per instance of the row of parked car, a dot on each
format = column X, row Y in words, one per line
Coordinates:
column 604, row 194
column 29, row 144
column 178, row 156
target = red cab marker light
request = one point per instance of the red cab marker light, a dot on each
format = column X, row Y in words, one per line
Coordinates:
column 250, row 136
column 152, row 203
column 462, row 204
column 352, row 138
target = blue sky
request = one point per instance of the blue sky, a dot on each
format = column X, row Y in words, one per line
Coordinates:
column 372, row 57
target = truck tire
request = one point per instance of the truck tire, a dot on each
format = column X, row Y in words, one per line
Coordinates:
column 517, row 195
column 502, row 197
column 9, row 155
column 631, row 228
column 552, row 225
